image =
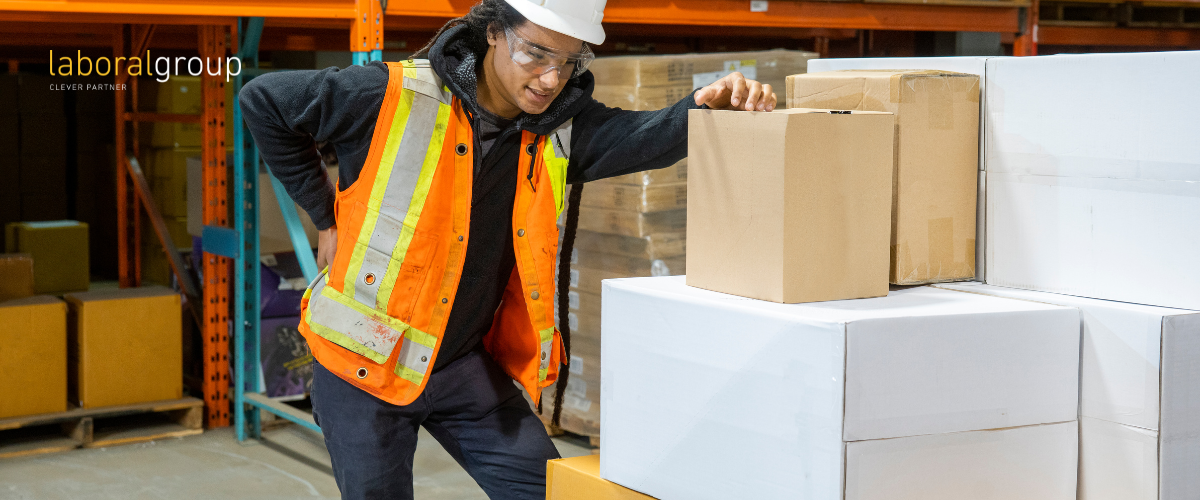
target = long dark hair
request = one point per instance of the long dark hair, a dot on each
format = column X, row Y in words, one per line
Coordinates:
column 496, row 16
column 493, row 15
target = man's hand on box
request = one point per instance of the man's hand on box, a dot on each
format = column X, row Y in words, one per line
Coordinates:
column 734, row 92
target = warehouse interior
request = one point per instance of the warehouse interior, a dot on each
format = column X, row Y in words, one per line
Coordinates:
column 955, row 261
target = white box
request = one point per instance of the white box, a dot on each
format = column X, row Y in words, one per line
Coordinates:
column 1139, row 378
column 709, row 395
column 1093, row 176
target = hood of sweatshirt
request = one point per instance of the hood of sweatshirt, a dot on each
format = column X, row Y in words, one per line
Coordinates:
column 457, row 65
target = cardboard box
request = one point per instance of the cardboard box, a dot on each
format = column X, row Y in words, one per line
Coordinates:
column 184, row 95
column 803, row 216
column 970, row 65
column 43, row 174
column 667, row 175
column 1095, row 200
column 685, row 72
column 1121, row 462
column 125, row 346
column 38, row 95
column 646, row 198
column 59, row 250
column 654, row 246
column 273, row 233
column 937, row 151
column 1136, row 371
column 578, row 478
column 634, row 224
column 628, row 266
column 824, row 378
column 16, row 276
column 33, row 356
column 44, row 134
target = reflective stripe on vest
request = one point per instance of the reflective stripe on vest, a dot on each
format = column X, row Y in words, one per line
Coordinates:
column 356, row 319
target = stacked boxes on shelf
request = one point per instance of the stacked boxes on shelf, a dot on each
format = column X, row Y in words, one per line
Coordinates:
column 33, row 349
column 634, row 224
column 165, row 164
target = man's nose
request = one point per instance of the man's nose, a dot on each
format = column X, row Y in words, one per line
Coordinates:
column 549, row 80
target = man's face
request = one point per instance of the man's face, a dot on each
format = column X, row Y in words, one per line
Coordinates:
column 521, row 88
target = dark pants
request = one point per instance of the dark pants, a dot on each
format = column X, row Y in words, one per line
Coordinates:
column 470, row 406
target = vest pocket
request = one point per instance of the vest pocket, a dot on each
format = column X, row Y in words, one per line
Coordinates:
column 347, row 323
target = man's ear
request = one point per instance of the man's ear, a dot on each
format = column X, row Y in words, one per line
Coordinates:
column 493, row 36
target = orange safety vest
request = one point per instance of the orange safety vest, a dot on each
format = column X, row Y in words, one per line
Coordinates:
column 376, row 315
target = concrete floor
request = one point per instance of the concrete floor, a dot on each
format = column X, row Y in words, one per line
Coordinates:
column 288, row 463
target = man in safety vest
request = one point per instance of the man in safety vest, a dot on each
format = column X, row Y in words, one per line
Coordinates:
column 439, row 244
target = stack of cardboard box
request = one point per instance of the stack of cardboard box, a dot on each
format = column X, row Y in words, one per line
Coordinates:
column 635, row 224
column 165, row 164
column 1090, row 234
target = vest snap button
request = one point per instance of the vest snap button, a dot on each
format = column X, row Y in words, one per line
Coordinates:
column 520, row 232
column 445, row 300
column 424, row 359
column 534, row 295
column 362, row 373
column 461, row 149
column 369, row 279
column 543, row 355
column 460, row 238
column 530, row 150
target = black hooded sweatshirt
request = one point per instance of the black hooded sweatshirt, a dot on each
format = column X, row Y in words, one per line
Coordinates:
column 289, row 112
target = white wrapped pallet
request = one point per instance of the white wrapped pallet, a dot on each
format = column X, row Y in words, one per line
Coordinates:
column 708, row 395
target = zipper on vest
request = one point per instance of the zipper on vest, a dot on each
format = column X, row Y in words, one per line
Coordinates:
column 532, row 161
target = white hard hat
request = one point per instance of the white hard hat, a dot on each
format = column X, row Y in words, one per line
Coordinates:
column 574, row 18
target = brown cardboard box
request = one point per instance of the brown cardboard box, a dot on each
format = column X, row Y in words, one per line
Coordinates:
column 182, row 95
column 33, row 356
column 16, row 276
column 125, row 346
column 630, row 198
column 937, row 161
column 802, row 216
column 627, row 266
column 578, row 478
column 59, row 250
column 654, row 246
column 669, row 175
column 685, row 72
column 632, row 223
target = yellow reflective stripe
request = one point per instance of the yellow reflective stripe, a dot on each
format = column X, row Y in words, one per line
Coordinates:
column 416, row 206
column 409, row 374
column 420, row 337
column 557, row 168
column 542, row 374
column 387, row 160
column 547, row 335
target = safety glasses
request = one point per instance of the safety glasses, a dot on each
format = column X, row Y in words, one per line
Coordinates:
column 540, row 60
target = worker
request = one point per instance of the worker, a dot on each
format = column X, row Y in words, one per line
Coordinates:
column 439, row 242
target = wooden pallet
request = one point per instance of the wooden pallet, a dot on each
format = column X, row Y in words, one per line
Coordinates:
column 556, row 431
column 100, row 427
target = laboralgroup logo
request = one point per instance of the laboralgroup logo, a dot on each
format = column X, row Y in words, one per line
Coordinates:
column 160, row 68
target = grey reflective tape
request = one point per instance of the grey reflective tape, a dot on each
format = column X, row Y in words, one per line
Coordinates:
column 415, row 356
column 401, row 185
column 374, row 268
column 561, row 140
column 426, row 82
column 365, row 330
column 410, row 157
column 546, row 355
